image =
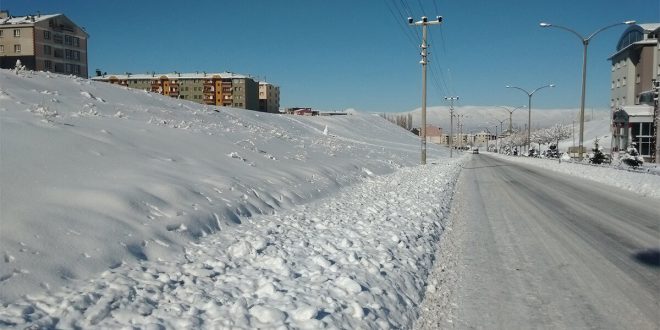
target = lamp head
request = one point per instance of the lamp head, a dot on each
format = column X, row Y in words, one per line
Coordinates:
column 425, row 19
column 544, row 24
column 439, row 18
column 552, row 85
column 629, row 22
column 410, row 20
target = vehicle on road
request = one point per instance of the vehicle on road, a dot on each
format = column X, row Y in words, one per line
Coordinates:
column 474, row 150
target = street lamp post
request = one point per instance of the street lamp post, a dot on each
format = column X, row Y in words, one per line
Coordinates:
column 585, row 44
column 510, row 115
column 529, row 108
column 502, row 123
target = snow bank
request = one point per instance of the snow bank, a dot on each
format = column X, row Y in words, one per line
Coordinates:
column 359, row 259
column 94, row 176
column 642, row 183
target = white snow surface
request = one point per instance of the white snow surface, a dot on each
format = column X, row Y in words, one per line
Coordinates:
column 122, row 208
column 644, row 181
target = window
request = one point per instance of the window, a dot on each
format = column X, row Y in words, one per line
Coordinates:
column 17, row 33
column 17, row 48
column 1, row 33
column 48, row 50
column 57, row 38
column 637, row 79
column 47, row 35
column 72, row 68
column 624, row 81
column 72, row 54
column 48, row 64
column 57, row 52
column 612, row 84
column 68, row 40
column 76, row 41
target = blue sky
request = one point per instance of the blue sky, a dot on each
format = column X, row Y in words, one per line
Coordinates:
column 342, row 54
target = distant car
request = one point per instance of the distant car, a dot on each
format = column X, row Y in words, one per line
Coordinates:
column 475, row 150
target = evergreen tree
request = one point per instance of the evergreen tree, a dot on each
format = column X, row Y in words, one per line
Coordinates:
column 598, row 156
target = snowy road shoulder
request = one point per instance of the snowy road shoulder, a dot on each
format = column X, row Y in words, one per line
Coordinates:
column 642, row 183
column 358, row 259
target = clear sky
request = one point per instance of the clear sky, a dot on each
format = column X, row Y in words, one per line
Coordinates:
column 360, row 54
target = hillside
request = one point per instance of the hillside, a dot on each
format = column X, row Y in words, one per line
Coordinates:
column 95, row 175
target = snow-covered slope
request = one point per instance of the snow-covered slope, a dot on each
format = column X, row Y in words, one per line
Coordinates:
column 94, row 175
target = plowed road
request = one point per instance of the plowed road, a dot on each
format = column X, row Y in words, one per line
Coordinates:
column 536, row 249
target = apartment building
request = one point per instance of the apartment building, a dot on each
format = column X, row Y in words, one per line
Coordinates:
column 44, row 43
column 269, row 97
column 635, row 66
column 222, row 89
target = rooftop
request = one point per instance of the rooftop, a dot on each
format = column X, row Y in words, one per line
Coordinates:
column 28, row 19
column 174, row 75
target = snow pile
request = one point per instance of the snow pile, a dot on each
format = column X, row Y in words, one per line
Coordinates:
column 639, row 182
column 95, row 176
column 357, row 260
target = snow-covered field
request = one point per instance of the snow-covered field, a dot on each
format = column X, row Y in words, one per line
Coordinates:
column 120, row 207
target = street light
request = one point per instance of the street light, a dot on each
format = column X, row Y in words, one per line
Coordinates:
column 585, row 43
column 510, row 115
column 529, row 108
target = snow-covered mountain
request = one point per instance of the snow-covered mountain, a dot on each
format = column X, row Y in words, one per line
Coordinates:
column 477, row 117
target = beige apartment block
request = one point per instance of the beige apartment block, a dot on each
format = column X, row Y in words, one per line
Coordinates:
column 221, row 89
column 635, row 66
column 43, row 43
column 269, row 97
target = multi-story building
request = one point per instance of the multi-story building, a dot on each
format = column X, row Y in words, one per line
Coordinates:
column 635, row 66
column 221, row 89
column 44, row 43
column 269, row 97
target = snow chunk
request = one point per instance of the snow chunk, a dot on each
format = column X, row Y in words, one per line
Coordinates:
column 348, row 285
column 267, row 314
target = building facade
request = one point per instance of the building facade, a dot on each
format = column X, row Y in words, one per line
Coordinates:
column 221, row 89
column 433, row 134
column 269, row 97
column 43, row 43
column 635, row 67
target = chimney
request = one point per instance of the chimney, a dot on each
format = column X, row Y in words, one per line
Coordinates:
column 4, row 13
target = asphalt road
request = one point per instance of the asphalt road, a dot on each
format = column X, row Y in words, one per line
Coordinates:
column 537, row 249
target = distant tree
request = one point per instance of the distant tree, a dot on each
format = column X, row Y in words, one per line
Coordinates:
column 598, row 157
column 559, row 132
column 632, row 158
column 19, row 67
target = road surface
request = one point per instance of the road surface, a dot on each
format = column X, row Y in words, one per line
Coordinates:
column 536, row 249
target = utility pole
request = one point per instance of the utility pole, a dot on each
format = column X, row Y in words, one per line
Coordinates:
column 656, row 121
column 451, row 122
column 424, row 23
column 497, row 150
column 460, row 131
